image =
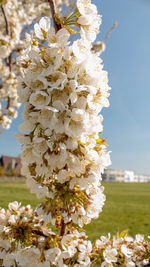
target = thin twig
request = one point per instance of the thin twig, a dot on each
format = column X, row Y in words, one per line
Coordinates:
column 57, row 26
column 6, row 20
column 110, row 31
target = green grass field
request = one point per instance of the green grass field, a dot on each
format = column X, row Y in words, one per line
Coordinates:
column 127, row 206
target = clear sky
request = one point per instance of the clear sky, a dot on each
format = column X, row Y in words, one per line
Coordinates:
column 127, row 60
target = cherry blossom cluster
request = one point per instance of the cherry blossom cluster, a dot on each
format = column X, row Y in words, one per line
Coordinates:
column 89, row 20
column 20, row 14
column 63, row 87
column 122, row 250
column 8, row 94
column 16, row 17
column 26, row 240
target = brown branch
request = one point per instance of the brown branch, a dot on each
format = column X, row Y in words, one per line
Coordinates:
column 57, row 26
column 38, row 232
column 63, row 228
column 6, row 20
column 110, row 31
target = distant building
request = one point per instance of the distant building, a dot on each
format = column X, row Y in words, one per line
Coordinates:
column 142, row 178
column 11, row 164
column 114, row 175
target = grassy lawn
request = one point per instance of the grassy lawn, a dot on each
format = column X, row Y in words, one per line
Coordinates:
column 127, row 207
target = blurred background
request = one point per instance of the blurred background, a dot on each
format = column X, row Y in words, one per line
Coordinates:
column 127, row 60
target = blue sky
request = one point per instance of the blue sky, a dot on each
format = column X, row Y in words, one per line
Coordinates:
column 127, row 60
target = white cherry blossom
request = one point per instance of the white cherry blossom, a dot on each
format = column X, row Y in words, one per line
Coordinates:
column 42, row 28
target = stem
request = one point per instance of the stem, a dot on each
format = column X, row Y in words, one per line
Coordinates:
column 6, row 20
column 63, row 228
column 57, row 26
